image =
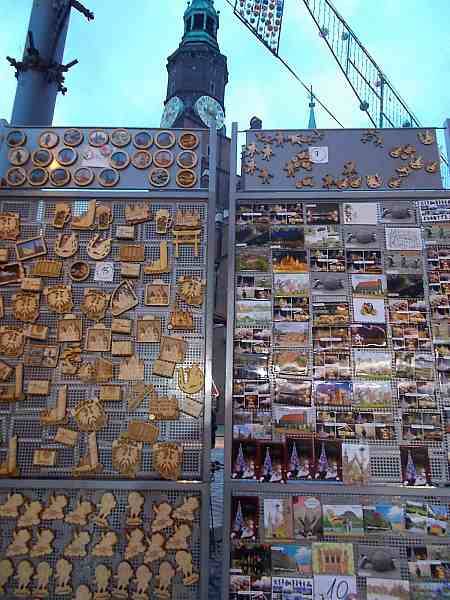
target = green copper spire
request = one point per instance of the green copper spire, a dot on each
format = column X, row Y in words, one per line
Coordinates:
column 312, row 117
column 201, row 22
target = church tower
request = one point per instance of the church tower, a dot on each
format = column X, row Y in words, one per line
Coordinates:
column 197, row 72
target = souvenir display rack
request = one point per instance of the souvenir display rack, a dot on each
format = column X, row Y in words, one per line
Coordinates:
column 366, row 253
column 161, row 419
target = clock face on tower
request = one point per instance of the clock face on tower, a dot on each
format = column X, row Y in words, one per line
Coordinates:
column 172, row 111
column 210, row 112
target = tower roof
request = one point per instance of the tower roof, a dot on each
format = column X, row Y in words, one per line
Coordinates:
column 201, row 22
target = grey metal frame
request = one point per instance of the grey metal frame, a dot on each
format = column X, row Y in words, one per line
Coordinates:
column 201, row 487
column 234, row 487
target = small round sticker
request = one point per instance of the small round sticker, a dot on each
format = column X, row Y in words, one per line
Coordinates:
column 120, row 138
column 18, row 156
column 143, row 140
column 108, row 177
column 119, row 159
column 48, row 139
column 67, row 156
column 186, row 178
column 187, row 159
column 37, row 176
column 16, row 176
column 98, row 138
column 159, row 177
column 165, row 139
column 141, row 159
column 83, row 176
column 16, row 138
column 42, row 157
column 188, row 141
column 60, row 177
column 163, row 158
column 73, row 137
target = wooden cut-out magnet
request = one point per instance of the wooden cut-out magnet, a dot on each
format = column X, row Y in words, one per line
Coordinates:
column 130, row 270
column 131, row 369
column 19, row 545
column 90, row 416
column 162, row 518
column 126, row 455
column 122, row 348
column 42, row 578
column 47, row 268
column 67, row 437
column 56, row 415
column 148, row 330
column 184, row 565
column 141, row 431
column 77, row 546
column 55, row 509
column 191, row 379
column 135, row 545
column 132, row 253
column 163, row 368
column 102, row 578
column 142, row 582
column 135, row 506
column 122, row 326
column 110, row 393
column 166, row 573
column 36, row 332
column 103, row 216
column 44, row 543
column 83, row 593
column 123, row 578
column 24, row 575
column 105, row 547
column 59, row 298
column 105, row 507
column 44, row 458
column 32, row 248
column 98, row 339
column 99, row 248
column 85, row 220
column 79, row 516
column 38, row 387
column 4, row 255
column 89, row 463
column 25, row 306
column 163, row 408
column 63, row 573
column 167, row 460
column 186, row 512
column 160, row 265
column 192, row 407
column 178, row 541
column 9, row 226
column 125, row 232
column 31, row 284
column 66, row 245
column 157, row 294
column 137, row 213
column 5, row 371
column 10, row 508
column 8, row 468
column 6, row 572
column 123, row 298
column 69, row 329
column 155, row 550
column 62, row 215
column 94, row 305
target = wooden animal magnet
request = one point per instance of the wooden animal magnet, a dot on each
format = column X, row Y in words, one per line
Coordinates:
column 123, row 578
column 42, row 579
column 24, row 575
column 32, row 514
column 55, row 509
column 162, row 518
column 142, row 583
column 19, row 545
column 135, row 506
column 102, row 578
column 155, row 549
column 44, row 544
column 10, row 508
column 135, row 545
column 6, row 572
column 164, row 581
column 77, row 546
column 79, row 516
column 63, row 573
column 105, row 547
column 105, row 507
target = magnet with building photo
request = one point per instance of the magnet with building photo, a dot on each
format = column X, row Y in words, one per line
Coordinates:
column 331, row 339
column 244, row 518
column 332, row 365
column 300, row 459
column 291, row 309
column 372, row 394
column 249, row 340
column 322, row 213
column 364, row 261
column 326, row 260
column 330, row 313
column 416, row 468
column 356, row 464
column 253, row 287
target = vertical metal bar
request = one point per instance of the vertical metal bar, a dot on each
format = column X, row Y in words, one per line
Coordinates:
column 229, row 364
column 381, row 100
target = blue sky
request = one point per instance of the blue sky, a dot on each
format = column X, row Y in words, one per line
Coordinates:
column 121, row 79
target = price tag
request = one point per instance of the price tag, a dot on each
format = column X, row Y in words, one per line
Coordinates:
column 319, row 154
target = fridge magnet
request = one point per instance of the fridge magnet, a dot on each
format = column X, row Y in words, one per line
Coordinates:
column 83, row 176
column 66, row 245
column 122, row 348
column 416, row 469
column 16, row 138
column 178, row 540
column 12, row 341
column 25, row 306
column 131, row 369
column 89, row 462
column 102, row 579
column 37, row 355
column 103, row 216
column 135, row 505
column 125, row 232
column 61, row 215
column 20, row 544
column 98, row 138
column 405, row 285
column 188, row 141
column 136, row 213
column 59, row 298
column 63, row 573
column 432, row 167
column 163, row 221
column 148, row 329
column 164, row 578
column 141, row 159
column 181, row 320
column 41, row 157
column 155, row 549
column 94, row 304
column 124, row 576
column 123, row 299
column 355, row 464
column 44, row 457
column 16, row 176
column 32, row 248
column 191, row 290
column 122, row 326
column 165, row 139
column 98, row 339
column 330, row 313
column 104, row 272
column 162, row 518
column 66, row 156
column 185, row 567
column 163, row 408
column 288, row 561
column 378, row 561
column 244, row 518
column 60, row 177
column 289, row 261
column 191, row 379
column 71, row 359
column 142, row 140
column 18, row 156
column 79, row 515
column 256, row 234
column 328, row 284
column 98, row 248
column 186, row 178
column 163, row 158
column 278, row 519
column 9, row 226
column 10, row 508
column 120, row 138
column 368, row 285
column 44, row 543
column 90, row 416
column 119, row 159
column 167, row 460
column 66, row 437
column 41, row 268
column 186, row 159
column 57, row 414
column 160, row 265
column 6, row 572
column 106, row 546
column 9, row 468
column 157, row 294
column 331, row 261
column 397, row 589
column 37, row 177
column 86, row 219
column 159, row 177
column 76, row 548
column 369, row 310
column 24, row 575
column 4, row 255
column 132, row 253
column 79, row 271
column 360, row 213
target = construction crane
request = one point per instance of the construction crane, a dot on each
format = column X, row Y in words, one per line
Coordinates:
column 376, row 95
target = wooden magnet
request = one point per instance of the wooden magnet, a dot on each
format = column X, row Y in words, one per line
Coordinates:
column 10, row 508
column 32, row 514
column 90, row 416
column 123, row 578
column 100, row 371
column 9, row 468
column 162, row 368
column 185, row 567
column 62, row 215
column 70, row 329
column 110, row 393
column 130, row 270
column 186, row 512
column 432, row 167
column 80, row 514
column 157, row 294
column 67, row 437
column 187, row 220
column 190, row 290
column 161, row 265
column 38, row 387
column 167, row 460
column 141, row 431
column 142, row 583
column 103, row 216
column 163, row 408
column 192, row 407
column 83, row 593
column 6, row 572
column 66, row 245
column 122, row 348
column 39, row 355
column 105, row 547
column 44, row 458
column 55, row 509
column 122, row 326
column 139, row 391
column 164, row 581
column 20, row 543
column 31, row 284
column 85, row 220
column 11, row 273
column 4, row 255
column 56, row 415
column 59, row 298
column 135, row 506
column 76, row 548
column 135, row 544
column 44, row 543
column 89, row 464
column 9, row 226
column 137, row 213
column 24, row 575
column 163, row 517
column 102, row 579
column 181, row 320
column 36, row 332
column 191, row 379
column 155, row 549
column 79, row 271
column 98, row 339
column 126, row 455
column 124, row 298
column 163, row 221
column 105, row 507
column 5, row 371
column 99, row 248
column 187, row 238
column 104, row 271
column 94, row 304
column 125, row 232
column 63, row 574
column 131, row 369
column 47, row 268
column 426, row 137
column 178, row 541
column 173, row 349
column 42, row 579
column 32, row 248
column 148, row 330
column 13, row 392
column 132, row 253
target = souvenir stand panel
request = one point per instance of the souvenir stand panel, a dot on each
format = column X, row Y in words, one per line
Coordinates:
column 106, row 334
column 337, row 368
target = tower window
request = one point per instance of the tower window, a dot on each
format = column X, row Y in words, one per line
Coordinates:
column 188, row 25
column 210, row 25
column 198, row 22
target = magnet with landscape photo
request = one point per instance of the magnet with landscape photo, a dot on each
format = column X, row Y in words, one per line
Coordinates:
column 249, row 340
column 292, row 392
column 416, row 468
column 403, row 262
column 252, row 312
column 255, row 234
column 414, row 365
column 333, row 558
column 253, row 213
column 28, row 249
column 331, row 339
column 407, row 311
column 290, row 335
column 251, row 395
column 290, row 362
column 253, row 287
column 278, row 519
column 372, row 394
column 437, row 520
column 360, row 213
column 291, row 309
column 291, row 560
column 293, row 420
column 438, row 258
column 244, row 460
column 436, row 234
column 379, row 561
column 405, row 285
column 327, row 261
column 244, row 518
column 332, row 365
column 333, row 393
column 322, row 236
column 417, row 394
column 307, row 512
column 369, row 336
column 330, row 313
column 300, row 459
column 369, row 285
column 355, row 464
column 372, row 365
column 392, row 589
column 251, row 559
column 289, row 261
column 295, row 285
column 430, row 590
column 441, row 331
column 287, row 237
column 325, row 213
column 416, row 515
column 364, row 261
column 252, row 259
column 292, row 588
column 251, row 366
column 343, row 519
column 272, row 464
column 328, row 456
column 369, row 310
column 384, row 518
column 439, row 282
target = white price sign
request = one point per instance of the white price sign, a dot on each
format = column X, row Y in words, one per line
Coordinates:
column 318, row 154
